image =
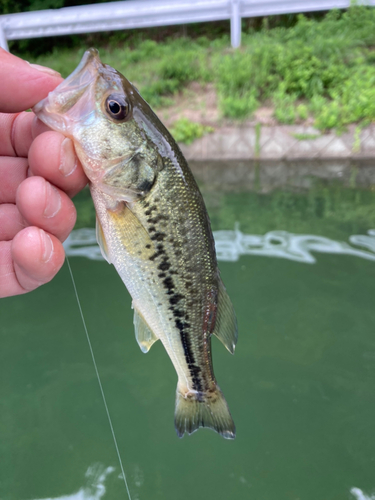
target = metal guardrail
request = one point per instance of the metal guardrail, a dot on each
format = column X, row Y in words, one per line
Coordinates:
column 151, row 13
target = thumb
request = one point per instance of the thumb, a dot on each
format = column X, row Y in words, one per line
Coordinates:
column 22, row 85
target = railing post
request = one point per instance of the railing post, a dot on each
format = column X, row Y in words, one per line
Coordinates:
column 3, row 39
column 235, row 24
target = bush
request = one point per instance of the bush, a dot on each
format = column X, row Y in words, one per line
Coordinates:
column 326, row 63
column 186, row 131
column 239, row 105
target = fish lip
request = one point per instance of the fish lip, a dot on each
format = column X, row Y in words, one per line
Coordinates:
column 85, row 73
column 65, row 96
column 89, row 58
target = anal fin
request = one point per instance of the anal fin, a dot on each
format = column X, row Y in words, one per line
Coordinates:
column 226, row 322
column 143, row 333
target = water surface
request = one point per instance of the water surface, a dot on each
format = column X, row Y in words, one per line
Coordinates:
column 300, row 385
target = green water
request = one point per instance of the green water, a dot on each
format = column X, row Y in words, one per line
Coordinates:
column 301, row 386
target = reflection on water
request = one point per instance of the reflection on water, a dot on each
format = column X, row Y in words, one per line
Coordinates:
column 230, row 245
column 360, row 495
column 301, row 385
column 94, row 488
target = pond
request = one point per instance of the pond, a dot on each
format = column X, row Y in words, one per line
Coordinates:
column 298, row 260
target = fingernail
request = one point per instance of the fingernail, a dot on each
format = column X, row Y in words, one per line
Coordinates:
column 44, row 69
column 68, row 158
column 53, row 201
column 47, row 246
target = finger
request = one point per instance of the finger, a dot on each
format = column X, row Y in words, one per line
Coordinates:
column 37, row 257
column 11, row 222
column 33, row 258
column 16, row 133
column 12, row 172
column 38, row 127
column 52, row 156
column 43, row 205
column 22, row 85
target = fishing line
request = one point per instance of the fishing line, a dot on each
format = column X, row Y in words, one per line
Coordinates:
column 98, row 377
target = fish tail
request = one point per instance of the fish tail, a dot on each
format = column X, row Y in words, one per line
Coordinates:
column 203, row 409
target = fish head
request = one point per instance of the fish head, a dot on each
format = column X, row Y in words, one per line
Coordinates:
column 107, row 119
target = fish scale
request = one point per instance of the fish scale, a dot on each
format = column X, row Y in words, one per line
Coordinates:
column 183, row 239
column 152, row 225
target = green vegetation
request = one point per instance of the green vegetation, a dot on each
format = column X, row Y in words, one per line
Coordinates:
column 11, row 6
column 86, row 216
column 186, row 131
column 357, row 140
column 257, row 139
column 318, row 67
column 306, row 137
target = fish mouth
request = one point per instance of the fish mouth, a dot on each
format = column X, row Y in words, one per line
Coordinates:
column 54, row 108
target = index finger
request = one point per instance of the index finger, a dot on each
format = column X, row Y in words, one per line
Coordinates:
column 23, row 85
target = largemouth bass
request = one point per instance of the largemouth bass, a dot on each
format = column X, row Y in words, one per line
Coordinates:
column 152, row 225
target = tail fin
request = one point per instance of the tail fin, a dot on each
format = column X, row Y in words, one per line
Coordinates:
column 194, row 410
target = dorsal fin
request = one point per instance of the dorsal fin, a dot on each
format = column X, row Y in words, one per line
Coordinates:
column 143, row 333
column 226, row 321
column 101, row 240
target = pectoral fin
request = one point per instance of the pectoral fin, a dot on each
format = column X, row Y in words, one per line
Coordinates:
column 133, row 235
column 101, row 240
column 226, row 321
column 143, row 333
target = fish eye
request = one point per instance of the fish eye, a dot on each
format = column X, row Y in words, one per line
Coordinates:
column 117, row 107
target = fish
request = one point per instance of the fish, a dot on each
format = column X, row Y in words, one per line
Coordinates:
column 153, row 226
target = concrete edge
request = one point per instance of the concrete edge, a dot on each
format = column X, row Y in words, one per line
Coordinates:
column 287, row 142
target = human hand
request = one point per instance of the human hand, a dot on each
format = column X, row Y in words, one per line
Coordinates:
column 39, row 172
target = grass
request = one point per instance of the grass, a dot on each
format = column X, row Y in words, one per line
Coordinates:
column 306, row 137
column 357, row 140
column 258, row 128
column 316, row 68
